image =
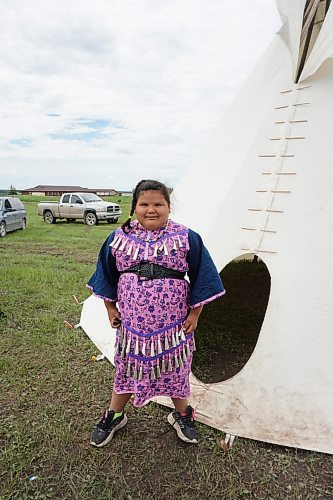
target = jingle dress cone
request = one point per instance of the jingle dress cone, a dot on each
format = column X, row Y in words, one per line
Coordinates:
column 153, row 353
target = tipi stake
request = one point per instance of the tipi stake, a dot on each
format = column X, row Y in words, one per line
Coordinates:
column 227, row 442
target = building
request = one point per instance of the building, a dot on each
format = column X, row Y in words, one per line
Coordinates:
column 46, row 190
column 125, row 193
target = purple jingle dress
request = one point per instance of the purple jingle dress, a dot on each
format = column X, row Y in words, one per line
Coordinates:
column 153, row 355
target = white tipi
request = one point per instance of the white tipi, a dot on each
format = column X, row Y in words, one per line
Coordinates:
column 269, row 172
column 270, row 179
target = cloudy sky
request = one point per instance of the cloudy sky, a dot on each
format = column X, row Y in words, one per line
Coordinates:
column 101, row 93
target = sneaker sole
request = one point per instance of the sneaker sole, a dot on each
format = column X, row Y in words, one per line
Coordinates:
column 110, row 436
column 181, row 436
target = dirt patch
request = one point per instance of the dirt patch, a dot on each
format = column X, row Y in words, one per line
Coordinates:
column 55, row 251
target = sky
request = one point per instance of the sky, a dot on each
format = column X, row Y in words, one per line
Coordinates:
column 103, row 93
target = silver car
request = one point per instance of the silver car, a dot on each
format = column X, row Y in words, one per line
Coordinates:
column 12, row 215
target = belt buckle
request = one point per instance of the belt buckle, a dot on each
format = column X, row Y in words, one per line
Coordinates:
column 140, row 270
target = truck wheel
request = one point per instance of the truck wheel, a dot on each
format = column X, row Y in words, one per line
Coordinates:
column 3, row 230
column 90, row 219
column 49, row 217
column 23, row 224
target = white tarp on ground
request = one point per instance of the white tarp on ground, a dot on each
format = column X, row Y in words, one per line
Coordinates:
column 95, row 322
column 268, row 171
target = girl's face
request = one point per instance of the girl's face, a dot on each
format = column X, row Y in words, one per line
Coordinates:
column 152, row 210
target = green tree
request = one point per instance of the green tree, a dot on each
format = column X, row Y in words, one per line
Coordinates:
column 12, row 190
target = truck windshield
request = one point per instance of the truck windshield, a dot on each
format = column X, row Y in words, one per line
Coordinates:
column 90, row 198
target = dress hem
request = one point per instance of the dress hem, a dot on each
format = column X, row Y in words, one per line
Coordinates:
column 151, row 397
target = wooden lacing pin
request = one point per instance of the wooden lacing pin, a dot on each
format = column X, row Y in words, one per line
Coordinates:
column 257, row 250
column 261, row 230
column 265, row 251
column 282, row 107
column 278, row 191
column 271, row 210
column 294, row 138
column 285, row 173
column 275, row 138
column 267, row 156
column 301, row 103
column 287, row 156
column 306, row 87
column 286, row 91
column 227, row 442
column 255, row 209
column 298, row 121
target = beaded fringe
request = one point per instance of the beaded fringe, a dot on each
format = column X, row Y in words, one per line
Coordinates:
column 122, row 243
column 129, row 343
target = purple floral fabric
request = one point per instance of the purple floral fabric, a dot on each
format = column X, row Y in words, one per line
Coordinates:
column 152, row 314
column 153, row 354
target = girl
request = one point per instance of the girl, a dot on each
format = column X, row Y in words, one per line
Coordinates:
column 140, row 276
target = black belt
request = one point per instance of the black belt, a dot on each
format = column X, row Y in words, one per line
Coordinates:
column 152, row 271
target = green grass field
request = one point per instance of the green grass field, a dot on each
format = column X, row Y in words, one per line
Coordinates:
column 52, row 393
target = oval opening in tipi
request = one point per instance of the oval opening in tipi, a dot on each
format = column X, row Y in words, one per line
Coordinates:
column 229, row 327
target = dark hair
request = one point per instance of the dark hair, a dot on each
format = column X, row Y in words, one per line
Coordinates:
column 145, row 185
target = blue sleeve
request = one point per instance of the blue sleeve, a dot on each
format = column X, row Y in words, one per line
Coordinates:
column 104, row 281
column 205, row 281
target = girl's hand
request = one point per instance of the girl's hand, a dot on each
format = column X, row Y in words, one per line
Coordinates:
column 113, row 313
column 115, row 320
column 191, row 322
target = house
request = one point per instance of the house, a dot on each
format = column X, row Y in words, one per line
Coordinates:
column 45, row 190
column 125, row 193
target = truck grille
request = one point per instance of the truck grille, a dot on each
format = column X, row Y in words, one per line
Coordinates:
column 113, row 208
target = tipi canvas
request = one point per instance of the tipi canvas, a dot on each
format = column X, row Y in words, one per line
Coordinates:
column 268, row 170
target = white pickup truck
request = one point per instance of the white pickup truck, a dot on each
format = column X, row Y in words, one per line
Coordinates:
column 87, row 206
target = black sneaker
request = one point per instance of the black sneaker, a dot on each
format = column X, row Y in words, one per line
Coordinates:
column 106, row 428
column 184, row 425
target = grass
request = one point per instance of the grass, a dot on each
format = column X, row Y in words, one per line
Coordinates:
column 52, row 392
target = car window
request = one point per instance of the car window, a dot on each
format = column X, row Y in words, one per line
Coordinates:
column 17, row 204
column 65, row 198
column 7, row 204
column 90, row 198
column 75, row 199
